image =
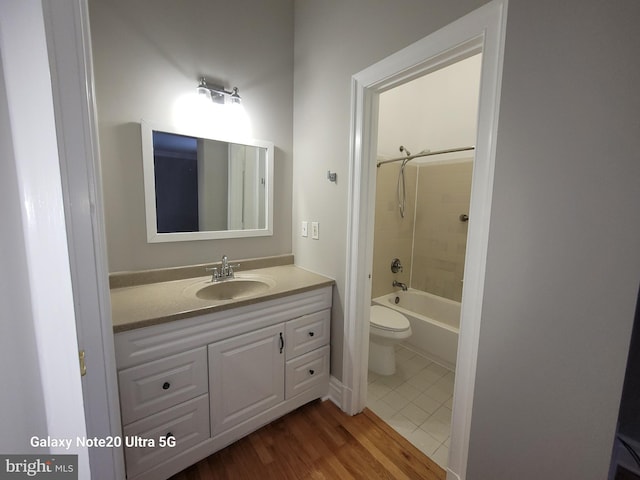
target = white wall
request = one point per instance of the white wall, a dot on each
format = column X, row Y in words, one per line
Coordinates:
column 562, row 270
column 149, row 54
column 563, row 262
column 433, row 112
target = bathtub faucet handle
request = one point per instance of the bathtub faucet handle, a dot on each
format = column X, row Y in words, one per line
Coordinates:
column 396, row 266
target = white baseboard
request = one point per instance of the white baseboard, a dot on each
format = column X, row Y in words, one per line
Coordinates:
column 335, row 392
column 452, row 475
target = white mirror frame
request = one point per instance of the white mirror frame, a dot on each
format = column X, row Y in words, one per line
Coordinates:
column 153, row 236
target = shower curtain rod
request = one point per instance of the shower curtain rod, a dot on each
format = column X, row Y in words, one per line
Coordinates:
column 427, row 154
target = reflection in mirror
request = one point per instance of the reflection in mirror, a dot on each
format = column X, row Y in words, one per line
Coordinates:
column 206, row 184
column 204, row 188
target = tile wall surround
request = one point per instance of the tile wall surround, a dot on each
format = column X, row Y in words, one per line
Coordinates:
column 430, row 240
column 393, row 235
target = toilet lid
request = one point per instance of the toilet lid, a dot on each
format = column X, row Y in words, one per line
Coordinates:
column 388, row 319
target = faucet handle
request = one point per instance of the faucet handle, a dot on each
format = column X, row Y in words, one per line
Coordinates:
column 214, row 276
column 396, row 266
column 231, row 267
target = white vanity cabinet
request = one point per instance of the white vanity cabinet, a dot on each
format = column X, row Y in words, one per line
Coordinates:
column 203, row 382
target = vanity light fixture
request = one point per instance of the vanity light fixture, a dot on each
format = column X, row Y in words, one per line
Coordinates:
column 216, row 93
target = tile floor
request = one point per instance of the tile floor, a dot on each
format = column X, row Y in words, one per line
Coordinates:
column 416, row 401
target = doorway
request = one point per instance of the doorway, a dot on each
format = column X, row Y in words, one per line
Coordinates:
column 421, row 219
column 480, row 31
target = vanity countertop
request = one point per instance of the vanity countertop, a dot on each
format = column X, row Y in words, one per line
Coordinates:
column 143, row 305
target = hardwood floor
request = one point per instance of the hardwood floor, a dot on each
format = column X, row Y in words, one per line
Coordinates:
column 318, row 441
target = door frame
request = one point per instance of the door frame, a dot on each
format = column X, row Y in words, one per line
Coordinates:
column 482, row 30
column 71, row 67
column 29, row 124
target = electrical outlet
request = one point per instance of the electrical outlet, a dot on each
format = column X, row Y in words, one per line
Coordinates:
column 304, row 231
column 315, row 230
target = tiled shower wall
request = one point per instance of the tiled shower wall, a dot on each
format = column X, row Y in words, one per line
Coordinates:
column 393, row 235
column 430, row 240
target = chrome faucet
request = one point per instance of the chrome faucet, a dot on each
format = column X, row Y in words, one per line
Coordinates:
column 224, row 266
column 226, row 270
column 403, row 286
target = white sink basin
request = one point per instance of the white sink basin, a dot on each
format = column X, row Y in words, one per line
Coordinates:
column 239, row 287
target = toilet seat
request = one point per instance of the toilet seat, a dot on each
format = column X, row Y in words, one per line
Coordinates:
column 387, row 319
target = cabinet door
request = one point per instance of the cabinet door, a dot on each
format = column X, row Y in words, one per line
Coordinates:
column 246, row 376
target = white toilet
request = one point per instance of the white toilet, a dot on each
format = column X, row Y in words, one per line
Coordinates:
column 386, row 328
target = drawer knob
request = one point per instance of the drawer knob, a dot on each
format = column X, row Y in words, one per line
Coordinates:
column 311, row 334
column 312, row 371
column 166, row 385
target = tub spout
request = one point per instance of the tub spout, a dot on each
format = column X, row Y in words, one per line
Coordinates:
column 403, row 286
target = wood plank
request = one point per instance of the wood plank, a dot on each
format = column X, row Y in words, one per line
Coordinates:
column 399, row 456
column 319, row 442
column 404, row 443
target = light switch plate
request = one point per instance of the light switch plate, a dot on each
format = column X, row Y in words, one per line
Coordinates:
column 315, row 230
column 304, row 231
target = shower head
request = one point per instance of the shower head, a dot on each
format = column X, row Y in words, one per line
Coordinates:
column 404, row 149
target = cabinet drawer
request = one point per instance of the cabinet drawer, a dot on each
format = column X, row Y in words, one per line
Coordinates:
column 187, row 424
column 307, row 333
column 155, row 386
column 307, row 371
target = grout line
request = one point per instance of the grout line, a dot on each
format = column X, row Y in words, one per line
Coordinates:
column 391, row 415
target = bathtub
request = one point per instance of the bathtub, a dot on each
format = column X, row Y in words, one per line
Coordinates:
column 435, row 322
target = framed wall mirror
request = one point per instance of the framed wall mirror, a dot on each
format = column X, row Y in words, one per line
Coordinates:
column 203, row 188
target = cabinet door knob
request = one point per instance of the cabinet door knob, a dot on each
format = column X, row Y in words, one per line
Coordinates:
column 312, row 371
column 166, row 385
column 311, row 334
column 281, row 342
